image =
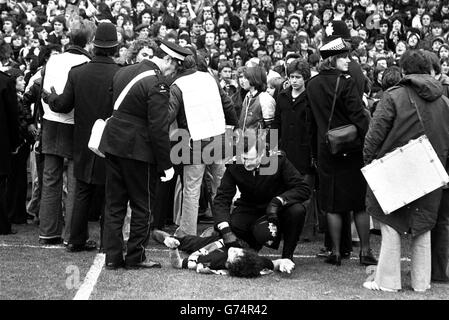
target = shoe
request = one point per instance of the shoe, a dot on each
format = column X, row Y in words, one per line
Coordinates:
column 30, row 216
column 159, row 235
column 88, row 246
column 324, row 253
column 369, row 259
column 11, row 231
column 114, row 265
column 346, row 255
column 422, row 290
column 148, row 264
column 334, row 259
column 52, row 241
column 371, row 285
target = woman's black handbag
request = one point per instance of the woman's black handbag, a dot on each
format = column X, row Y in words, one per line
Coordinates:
column 344, row 139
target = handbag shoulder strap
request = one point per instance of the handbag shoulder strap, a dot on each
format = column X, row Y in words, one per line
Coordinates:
column 412, row 101
column 333, row 103
column 128, row 87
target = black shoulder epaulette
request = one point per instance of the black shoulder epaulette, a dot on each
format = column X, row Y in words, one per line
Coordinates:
column 346, row 76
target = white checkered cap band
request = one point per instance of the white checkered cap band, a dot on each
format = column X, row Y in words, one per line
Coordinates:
column 171, row 52
column 334, row 45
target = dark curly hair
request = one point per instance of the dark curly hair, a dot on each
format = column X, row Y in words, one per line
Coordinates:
column 248, row 265
column 301, row 66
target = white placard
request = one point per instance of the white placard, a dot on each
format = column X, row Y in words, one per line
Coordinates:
column 405, row 175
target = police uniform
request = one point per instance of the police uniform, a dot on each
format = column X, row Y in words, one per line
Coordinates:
column 137, row 147
column 276, row 176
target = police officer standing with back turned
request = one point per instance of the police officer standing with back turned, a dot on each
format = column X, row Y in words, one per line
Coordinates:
column 137, row 148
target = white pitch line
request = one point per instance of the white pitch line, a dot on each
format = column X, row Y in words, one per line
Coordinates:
column 167, row 250
column 88, row 285
column 6, row 245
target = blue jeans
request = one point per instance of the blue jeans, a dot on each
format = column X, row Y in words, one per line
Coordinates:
column 50, row 212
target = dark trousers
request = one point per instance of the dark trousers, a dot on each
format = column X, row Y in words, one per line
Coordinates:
column 127, row 180
column 440, row 241
column 16, row 190
column 85, row 196
column 162, row 211
column 291, row 220
column 5, row 225
column 52, row 221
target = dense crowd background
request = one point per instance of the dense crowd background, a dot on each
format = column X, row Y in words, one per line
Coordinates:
column 229, row 33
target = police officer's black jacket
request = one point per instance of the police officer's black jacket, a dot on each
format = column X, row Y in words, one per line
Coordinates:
column 138, row 130
column 258, row 188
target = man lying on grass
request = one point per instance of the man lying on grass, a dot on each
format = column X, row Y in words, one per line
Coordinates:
column 210, row 255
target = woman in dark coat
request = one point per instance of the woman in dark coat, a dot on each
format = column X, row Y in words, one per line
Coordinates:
column 395, row 123
column 341, row 184
column 293, row 118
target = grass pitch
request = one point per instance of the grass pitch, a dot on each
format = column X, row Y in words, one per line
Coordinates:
column 32, row 272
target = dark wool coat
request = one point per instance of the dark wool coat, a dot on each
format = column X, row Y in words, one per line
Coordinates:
column 138, row 130
column 89, row 91
column 9, row 122
column 394, row 124
column 342, row 187
column 293, row 120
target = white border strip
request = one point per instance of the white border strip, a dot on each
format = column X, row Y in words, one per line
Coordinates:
column 88, row 285
column 171, row 52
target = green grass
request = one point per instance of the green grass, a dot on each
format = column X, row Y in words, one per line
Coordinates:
column 40, row 273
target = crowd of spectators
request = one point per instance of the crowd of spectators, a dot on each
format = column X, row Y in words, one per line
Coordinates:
column 229, row 33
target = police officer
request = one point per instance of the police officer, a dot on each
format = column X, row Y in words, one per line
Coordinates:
column 270, row 204
column 137, row 148
column 342, row 187
column 9, row 140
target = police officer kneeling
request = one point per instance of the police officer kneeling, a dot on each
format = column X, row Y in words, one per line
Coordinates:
column 137, row 148
column 270, row 205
